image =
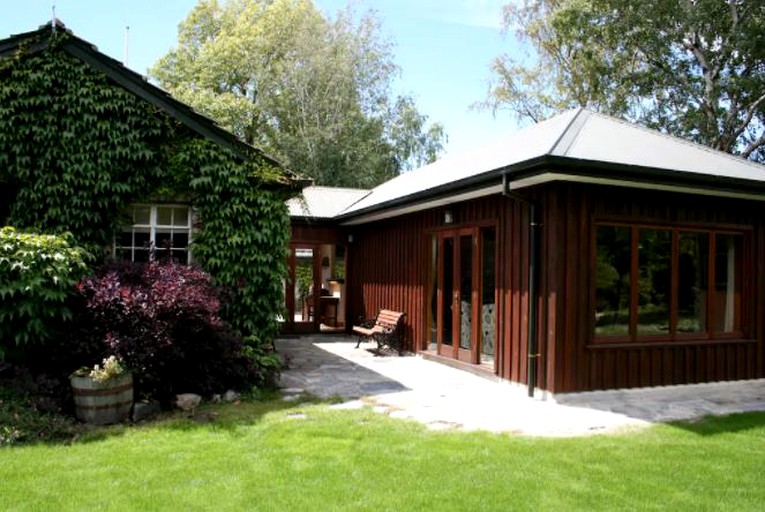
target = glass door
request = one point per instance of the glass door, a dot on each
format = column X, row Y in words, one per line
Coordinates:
column 457, row 294
column 301, row 293
column 464, row 284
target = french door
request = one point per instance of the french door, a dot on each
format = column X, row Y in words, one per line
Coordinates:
column 465, row 294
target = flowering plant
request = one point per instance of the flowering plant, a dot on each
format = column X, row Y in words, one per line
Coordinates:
column 110, row 368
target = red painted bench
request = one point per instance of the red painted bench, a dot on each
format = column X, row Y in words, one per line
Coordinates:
column 386, row 329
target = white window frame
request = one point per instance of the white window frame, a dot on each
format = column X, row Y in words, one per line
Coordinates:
column 154, row 227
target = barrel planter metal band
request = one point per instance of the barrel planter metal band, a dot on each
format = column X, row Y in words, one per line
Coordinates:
column 103, row 403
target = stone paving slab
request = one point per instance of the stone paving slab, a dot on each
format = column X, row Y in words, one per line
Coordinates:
column 443, row 397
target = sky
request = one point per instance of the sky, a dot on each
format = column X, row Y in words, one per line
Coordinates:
column 443, row 47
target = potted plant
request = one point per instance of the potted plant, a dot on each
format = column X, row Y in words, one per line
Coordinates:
column 103, row 394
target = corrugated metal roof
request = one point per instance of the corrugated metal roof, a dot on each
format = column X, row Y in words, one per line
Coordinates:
column 576, row 134
column 324, row 202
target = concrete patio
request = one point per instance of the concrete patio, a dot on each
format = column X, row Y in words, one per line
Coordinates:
column 443, row 397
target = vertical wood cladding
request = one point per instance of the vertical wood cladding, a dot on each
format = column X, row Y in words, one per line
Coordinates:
column 389, row 269
column 578, row 363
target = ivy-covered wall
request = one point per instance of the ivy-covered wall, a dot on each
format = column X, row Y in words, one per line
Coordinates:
column 76, row 149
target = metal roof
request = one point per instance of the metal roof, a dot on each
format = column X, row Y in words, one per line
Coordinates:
column 324, row 202
column 577, row 145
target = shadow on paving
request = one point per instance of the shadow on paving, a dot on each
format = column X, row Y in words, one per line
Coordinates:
column 325, row 375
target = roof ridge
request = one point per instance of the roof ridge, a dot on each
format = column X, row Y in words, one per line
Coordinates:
column 348, row 207
column 570, row 132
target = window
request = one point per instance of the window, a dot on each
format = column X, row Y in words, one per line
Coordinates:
column 654, row 282
column 156, row 231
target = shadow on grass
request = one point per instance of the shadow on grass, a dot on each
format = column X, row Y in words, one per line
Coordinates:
column 715, row 425
column 226, row 417
column 214, row 417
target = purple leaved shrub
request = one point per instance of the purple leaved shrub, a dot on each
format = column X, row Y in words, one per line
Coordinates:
column 162, row 320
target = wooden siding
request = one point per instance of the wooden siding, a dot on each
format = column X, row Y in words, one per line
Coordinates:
column 574, row 360
column 316, row 233
column 388, row 268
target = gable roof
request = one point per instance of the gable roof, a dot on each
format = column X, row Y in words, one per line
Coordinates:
column 577, row 145
column 38, row 40
column 324, row 202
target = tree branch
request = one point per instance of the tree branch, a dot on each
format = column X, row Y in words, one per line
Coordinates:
column 753, row 146
column 750, row 111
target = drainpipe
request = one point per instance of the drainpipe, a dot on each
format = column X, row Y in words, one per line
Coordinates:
column 534, row 227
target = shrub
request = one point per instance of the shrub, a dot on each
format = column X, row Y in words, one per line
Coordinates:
column 263, row 354
column 37, row 277
column 22, row 422
column 162, row 320
column 30, row 407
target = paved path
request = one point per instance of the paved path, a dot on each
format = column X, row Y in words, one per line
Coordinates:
column 446, row 398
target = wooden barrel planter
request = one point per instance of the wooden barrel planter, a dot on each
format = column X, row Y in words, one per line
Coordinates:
column 103, row 403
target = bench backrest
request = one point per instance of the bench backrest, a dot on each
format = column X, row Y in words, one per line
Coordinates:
column 388, row 318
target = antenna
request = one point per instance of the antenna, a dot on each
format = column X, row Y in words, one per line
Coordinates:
column 127, row 45
column 53, row 19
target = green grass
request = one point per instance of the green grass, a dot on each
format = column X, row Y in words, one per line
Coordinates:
column 278, row 456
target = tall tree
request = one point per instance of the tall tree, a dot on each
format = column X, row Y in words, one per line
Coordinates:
column 314, row 92
column 691, row 68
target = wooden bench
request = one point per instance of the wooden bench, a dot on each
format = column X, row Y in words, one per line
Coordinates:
column 386, row 329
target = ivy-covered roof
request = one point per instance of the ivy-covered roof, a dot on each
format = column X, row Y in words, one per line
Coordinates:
column 38, row 40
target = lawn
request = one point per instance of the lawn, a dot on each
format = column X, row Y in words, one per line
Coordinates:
column 285, row 456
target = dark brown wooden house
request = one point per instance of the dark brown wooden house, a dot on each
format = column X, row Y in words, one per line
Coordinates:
column 581, row 253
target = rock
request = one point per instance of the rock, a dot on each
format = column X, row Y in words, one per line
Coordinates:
column 187, row 401
column 215, row 398
column 144, row 410
column 231, row 396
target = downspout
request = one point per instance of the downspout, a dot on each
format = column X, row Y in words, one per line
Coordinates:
column 534, row 227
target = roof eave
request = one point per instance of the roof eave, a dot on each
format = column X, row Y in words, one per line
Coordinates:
column 580, row 169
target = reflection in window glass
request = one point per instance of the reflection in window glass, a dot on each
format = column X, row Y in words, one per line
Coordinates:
column 692, row 271
column 612, row 281
column 142, row 215
column 164, row 216
column 654, row 281
column 157, row 232
column 727, row 292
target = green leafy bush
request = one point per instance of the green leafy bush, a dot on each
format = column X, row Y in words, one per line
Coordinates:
column 38, row 274
column 266, row 360
column 23, row 421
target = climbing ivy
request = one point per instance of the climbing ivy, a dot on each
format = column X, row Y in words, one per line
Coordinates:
column 78, row 149
column 244, row 233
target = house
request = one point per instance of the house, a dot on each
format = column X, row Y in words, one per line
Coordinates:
column 578, row 254
column 317, row 260
column 91, row 147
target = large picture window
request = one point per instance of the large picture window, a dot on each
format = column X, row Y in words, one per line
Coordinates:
column 157, row 231
column 660, row 283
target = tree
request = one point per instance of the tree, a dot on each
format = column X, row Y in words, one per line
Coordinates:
column 691, row 68
column 312, row 91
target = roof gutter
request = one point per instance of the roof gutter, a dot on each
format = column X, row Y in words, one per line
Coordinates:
column 534, row 227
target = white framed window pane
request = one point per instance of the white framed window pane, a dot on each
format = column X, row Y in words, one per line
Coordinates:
column 180, row 216
column 142, row 214
column 164, row 215
column 164, row 228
